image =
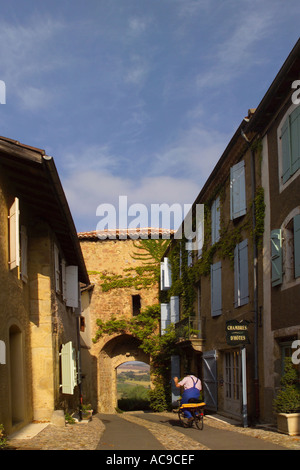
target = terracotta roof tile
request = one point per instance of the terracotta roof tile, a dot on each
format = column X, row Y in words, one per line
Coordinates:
column 146, row 232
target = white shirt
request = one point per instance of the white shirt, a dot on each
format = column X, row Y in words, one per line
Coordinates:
column 187, row 382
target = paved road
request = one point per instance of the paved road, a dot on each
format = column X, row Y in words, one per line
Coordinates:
column 120, row 434
column 214, row 438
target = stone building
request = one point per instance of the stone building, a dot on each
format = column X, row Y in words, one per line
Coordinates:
column 41, row 266
column 243, row 278
column 120, row 291
column 277, row 121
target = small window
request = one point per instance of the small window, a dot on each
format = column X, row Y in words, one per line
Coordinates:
column 136, row 305
column 82, row 324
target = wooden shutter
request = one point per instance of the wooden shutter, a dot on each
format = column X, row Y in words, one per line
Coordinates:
column 14, row 235
column 68, row 368
column 165, row 274
column 72, row 286
column 164, row 317
column 241, row 289
column 276, row 256
column 297, row 245
column 215, row 221
column 2, row 353
column 175, row 372
column 24, row 256
column 168, row 276
column 290, row 145
column 210, row 380
column 174, row 309
column 162, row 275
column 237, row 190
column 285, row 149
column 216, row 289
column 295, row 140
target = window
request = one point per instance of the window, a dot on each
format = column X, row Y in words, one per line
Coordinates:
column 215, row 221
column 237, row 190
column 276, row 256
column 241, row 293
column 136, row 304
column 66, row 281
column 285, row 252
column 216, row 289
column 290, row 145
column 82, row 324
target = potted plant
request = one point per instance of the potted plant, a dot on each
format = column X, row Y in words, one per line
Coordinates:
column 87, row 412
column 287, row 401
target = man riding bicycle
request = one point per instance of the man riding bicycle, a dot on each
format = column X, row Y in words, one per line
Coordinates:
column 192, row 387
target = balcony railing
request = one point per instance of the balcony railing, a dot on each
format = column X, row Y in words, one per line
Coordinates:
column 190, row 329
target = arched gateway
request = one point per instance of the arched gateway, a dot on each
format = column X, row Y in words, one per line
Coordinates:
column 116, row 351
column 124, row 282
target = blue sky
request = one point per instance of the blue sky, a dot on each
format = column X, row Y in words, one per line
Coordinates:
column 137, row 97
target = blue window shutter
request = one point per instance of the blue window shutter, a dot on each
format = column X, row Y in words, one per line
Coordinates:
column 215, row 221
column 295, row 140
column 285, row 146
column 241, row 290
column 297, row 245
column 276, row 256
column 175, row 372
column 174, row 309
column 164, row 317
column 216, row 289
column 237, row 190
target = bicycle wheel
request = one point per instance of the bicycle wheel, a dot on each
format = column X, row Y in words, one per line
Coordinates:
column 181, row 417
column 198, row 419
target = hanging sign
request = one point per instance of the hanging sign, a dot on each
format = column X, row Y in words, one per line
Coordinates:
column 237, row 332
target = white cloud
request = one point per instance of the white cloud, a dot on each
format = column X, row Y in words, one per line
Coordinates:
column 236, row 52
column 26, row 57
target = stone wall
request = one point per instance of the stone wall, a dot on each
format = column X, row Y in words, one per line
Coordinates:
column 114, row 258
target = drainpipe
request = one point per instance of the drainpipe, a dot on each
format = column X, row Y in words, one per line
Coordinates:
column 255, row 281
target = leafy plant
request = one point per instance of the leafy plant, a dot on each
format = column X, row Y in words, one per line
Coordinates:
column 3, row 438
column 288, row 397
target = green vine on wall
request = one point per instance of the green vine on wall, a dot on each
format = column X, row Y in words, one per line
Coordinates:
column 184, row 278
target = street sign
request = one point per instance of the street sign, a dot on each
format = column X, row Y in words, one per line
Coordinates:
column 237, row 332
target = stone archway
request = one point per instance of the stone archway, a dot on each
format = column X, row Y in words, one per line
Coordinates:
column 117, row 350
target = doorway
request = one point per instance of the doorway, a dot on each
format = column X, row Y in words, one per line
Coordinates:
column 16, row 375
column 232, row 382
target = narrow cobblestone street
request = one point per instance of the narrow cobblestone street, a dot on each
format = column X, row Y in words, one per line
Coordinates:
column 164, row 429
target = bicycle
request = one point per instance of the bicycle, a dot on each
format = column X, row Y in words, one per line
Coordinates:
column 197, row 411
